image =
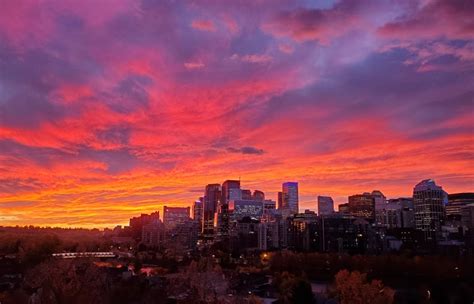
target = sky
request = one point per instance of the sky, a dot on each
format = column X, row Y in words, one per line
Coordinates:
column 109, row 109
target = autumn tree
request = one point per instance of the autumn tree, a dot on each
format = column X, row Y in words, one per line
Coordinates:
column 354, row 288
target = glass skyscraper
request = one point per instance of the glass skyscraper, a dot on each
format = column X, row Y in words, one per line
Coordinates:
column 429, row 203
column 290, row 198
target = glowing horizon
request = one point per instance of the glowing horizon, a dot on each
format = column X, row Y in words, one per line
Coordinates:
column 109, row 109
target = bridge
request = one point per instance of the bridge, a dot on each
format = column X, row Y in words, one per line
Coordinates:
column 75, row 255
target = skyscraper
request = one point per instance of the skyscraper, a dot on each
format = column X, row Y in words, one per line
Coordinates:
column 137, row 223
column 246, row 194
column 325, row 205
column 198, row 212
column 362, row 206
column 212, row 197
column 379, row 199
column 429, row 202
column 230, row 192
column 258, row 195
column 172, row 216
column 290, row 198
column 280, row 200
column 396, row 213
column 455, row 203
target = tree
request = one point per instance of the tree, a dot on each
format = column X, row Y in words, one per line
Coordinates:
column 353, row 288
column 68, row 281
column 293, row 289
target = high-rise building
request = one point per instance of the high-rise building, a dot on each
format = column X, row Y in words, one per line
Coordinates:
column 362, row 206
column 379, row 199
column 153, row 233
column 137, row 223
column 212, row 197
column 280, row 200
column 269, row 205
column 397, row 213
column 183, row 236
column 344, row 208
column 246, row 194
column 245, row 235
column 389, row 215
column 258, row 195
column 172, row 216
column 340, row 232
column 325, row 205
column 429, row 202
column 467, row 221
column 455, row 202
column 230, row 191
column 290, row 197
column 303, row 231
column 246, row 208
column 198, row 212
column 268, row 235
column 467, row 215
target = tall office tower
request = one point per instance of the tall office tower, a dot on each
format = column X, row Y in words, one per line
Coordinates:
column 268, row 235
column 172, row 216
column 429, row 201
column 258, row 195
column 280, row 200
column 212, row 197
column 379, row 199
column 397, row 213
column 246, row 194
column 198, row 212
column 362, row 206
column 230, row 192
column 389, row 215
column 290, row 198
column 325, row 205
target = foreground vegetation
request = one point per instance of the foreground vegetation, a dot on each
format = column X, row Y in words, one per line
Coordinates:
column 216, row 276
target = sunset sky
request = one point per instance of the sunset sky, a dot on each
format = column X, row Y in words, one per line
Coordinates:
column 109, row 109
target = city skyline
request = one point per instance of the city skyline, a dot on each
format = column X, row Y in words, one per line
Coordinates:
column 109, row 110
column 313, row 205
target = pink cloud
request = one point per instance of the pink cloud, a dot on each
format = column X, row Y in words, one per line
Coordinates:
column 286, row 48
column 253, row 58
column 436, row 19
column 203, row 25
column 320, row 25
column 194, row 65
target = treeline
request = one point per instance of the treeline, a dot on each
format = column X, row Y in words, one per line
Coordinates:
column 445, row 278
column 322, row 266
column 31, row 245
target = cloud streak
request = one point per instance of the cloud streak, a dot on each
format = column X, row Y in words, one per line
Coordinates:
column 246, row 150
